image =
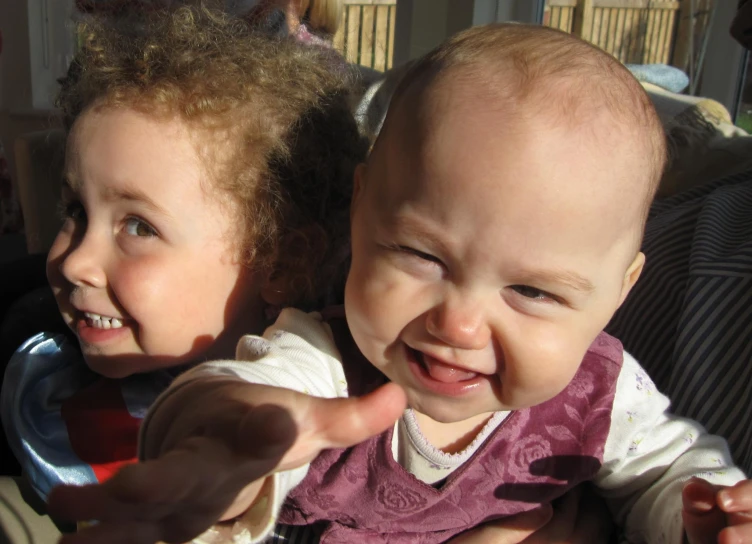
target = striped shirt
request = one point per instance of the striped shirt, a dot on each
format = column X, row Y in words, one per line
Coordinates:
column 688, row 320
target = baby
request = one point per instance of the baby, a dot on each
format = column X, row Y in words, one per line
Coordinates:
column 197, row 192
column 495, row 230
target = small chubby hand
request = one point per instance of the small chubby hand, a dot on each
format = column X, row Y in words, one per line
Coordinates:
column 717, row 514
column 208, row 453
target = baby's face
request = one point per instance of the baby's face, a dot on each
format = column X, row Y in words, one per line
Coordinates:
column 143, row 269
column 487, row 255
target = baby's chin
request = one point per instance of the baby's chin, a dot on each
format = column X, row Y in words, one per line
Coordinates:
column 447, row 412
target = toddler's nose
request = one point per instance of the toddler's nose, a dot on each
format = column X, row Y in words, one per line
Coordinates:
column 459, row 324
column 81, row 264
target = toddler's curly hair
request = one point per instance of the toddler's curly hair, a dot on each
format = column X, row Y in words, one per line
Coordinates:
column 276, row 115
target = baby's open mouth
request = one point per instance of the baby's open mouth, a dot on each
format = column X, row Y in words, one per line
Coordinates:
column 102, row 322
column 442, row 372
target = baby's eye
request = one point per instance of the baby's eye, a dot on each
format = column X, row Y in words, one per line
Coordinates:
column 533, row 293
column 138, row 227
column 420, row 254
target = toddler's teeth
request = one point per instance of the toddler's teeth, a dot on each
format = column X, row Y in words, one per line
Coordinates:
column 103, row 322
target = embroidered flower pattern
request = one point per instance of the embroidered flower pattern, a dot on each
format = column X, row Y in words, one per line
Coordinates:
column 644, row 383
column 522, row 454
column 582, row 386
column 397, row 498
column 323, row 500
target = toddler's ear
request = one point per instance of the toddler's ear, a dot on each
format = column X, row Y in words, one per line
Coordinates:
column 632, row 275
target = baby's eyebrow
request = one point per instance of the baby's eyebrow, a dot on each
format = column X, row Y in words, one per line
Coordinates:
column 422, row 231
column 566, row 277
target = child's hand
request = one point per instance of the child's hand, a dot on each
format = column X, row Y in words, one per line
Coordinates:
column 715, row 514
column 212, row 454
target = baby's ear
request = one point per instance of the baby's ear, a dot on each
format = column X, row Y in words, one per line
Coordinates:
column 358, row 183
column 632, row 275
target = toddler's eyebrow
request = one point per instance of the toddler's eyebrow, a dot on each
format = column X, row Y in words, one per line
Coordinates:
column 70, row 182
column 134, row 195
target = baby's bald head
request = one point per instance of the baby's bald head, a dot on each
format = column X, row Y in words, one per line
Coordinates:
column 534, row 72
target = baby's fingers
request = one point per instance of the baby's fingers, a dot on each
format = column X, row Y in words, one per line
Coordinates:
column 702, row 518
column 737, row 498
column 737, row 534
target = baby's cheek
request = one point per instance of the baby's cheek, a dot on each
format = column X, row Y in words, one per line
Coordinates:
column 544, row 365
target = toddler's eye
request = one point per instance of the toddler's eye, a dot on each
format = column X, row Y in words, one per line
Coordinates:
column 72, row 210
column 533, row 293
column 138, row 227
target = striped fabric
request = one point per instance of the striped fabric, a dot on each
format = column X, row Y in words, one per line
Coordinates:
column 688, row 320
column 292, row 534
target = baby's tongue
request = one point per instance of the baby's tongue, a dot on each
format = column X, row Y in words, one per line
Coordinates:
column 442, row 372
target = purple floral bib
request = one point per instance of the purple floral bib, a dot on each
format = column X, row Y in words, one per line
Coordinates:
column 362, row 495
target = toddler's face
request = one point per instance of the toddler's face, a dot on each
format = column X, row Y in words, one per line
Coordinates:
column 487, row 255
column 143, row 269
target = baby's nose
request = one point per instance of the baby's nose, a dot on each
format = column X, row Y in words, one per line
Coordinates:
column 460, row 325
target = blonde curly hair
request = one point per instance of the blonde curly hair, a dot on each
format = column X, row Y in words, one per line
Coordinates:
column 285, row 142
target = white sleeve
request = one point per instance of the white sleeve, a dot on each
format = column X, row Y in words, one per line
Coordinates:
column 298, row 352
column 649, row 454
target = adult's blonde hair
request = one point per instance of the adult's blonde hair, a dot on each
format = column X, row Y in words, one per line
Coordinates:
column 275, row 114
